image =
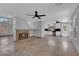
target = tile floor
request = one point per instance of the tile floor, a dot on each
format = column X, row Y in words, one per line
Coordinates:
column 47, row 46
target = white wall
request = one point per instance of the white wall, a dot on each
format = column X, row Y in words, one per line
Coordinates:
column 38, row 29
column 21, row 23
column 75, row 37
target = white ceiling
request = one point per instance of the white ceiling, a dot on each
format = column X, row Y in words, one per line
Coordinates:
column 50, row 9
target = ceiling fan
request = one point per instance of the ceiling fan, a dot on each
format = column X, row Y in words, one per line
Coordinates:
column 36, row 15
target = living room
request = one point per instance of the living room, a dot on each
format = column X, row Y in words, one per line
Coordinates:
column 41, row 28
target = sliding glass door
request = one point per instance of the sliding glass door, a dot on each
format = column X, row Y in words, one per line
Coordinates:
column 6, row 26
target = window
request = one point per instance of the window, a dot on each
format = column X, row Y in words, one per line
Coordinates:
column 3, row 24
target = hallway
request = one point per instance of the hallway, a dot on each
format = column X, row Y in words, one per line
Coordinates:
column 7, row 46
column 47, row 46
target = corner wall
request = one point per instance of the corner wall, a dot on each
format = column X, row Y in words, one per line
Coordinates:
column 75, row 41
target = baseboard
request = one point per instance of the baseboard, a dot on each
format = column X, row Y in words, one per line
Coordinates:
column 5, row 35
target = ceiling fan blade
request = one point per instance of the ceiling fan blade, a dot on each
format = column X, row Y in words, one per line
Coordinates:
column 30, row 15
column 42, row 15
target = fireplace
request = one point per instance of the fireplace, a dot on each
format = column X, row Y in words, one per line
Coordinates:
column 22, row 34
